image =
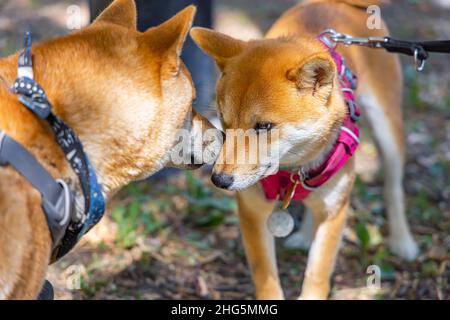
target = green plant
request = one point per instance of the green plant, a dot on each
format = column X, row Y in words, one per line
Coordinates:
column 132, row 220
column 447, row 102
column 126, row 220
column 363, row 235
column 429, row 269
column 203, row 208
column 423, row 209
column 387, row 270
column 414, row 88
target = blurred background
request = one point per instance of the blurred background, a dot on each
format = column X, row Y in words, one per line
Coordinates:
column 178, row 236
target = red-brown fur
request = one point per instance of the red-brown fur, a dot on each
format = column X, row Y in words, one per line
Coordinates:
column 124, row 93
column 289, row 79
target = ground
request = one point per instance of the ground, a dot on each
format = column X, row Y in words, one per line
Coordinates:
column 180, row 238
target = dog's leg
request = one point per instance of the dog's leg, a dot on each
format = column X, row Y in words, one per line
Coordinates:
column 303, row 238
column 329, row 206
column 25, row 241
column 259, row 244
column 323, row 253
column 388, row 133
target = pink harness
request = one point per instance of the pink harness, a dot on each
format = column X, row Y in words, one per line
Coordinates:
column 276, row 186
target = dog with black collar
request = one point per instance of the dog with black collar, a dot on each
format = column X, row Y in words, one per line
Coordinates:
column 86, row 114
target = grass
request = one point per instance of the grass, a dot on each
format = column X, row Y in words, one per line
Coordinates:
column 195, row 216
column 135, row 218
column 141, row 215
column 203, row 209
column 413, row 94
column 423, row 210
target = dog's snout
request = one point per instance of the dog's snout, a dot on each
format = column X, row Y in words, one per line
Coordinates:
column 223, row 181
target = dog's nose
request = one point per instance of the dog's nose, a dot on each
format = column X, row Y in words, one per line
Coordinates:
column 223, row 181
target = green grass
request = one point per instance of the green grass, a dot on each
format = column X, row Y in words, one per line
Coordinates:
column 131, row 221
column 414, row 89
column 143, row 213
column 447, row 103
column 429, row 269
column 423, row 210
column 204, row 209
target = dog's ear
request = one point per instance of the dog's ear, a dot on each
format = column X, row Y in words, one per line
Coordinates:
column 218, row 45
column 120, row 12
column 315, row 74
column 168, row 38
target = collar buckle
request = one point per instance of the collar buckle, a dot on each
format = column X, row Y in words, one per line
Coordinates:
column 59, row 214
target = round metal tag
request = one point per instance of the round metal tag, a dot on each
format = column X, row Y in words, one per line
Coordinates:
column 280, row 223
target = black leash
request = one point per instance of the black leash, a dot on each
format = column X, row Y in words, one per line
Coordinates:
column 418, row 49
column 408, row 47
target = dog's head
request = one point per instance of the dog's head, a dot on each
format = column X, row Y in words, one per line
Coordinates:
column 125, row 93
column 281, row 89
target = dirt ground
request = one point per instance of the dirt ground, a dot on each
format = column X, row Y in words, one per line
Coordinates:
column 179, row 237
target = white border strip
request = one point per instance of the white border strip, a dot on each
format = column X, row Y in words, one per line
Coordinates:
column 351, row 133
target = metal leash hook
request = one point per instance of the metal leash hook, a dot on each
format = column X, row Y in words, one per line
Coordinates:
column 420, row 63
column 333, row 38
column 337, row 37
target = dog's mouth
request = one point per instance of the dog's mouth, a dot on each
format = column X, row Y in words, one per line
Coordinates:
column 187, row 166
column 236, row 182
column 194, row 166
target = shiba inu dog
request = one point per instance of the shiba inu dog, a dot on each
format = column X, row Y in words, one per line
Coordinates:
column 124, row 93
column 288, row 82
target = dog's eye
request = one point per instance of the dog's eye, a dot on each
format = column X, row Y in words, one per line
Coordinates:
column 260, row 126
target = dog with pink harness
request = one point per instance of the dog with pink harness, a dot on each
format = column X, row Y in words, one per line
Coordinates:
column 290, row 185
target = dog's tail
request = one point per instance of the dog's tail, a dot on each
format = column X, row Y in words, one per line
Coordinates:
column 363, row 4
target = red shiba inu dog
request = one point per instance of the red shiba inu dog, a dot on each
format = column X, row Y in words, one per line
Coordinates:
column 288, row 82
column 124, row 93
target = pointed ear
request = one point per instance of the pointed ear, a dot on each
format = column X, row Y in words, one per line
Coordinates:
column 315, row 74
column 218, row 45
column 120, row 12
column 168, row 38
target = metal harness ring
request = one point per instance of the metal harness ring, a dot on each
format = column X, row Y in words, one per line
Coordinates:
column 420, row 63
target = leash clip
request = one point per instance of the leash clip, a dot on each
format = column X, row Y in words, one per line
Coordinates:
column 331, row 35
column 418, row 50
column 419, row 62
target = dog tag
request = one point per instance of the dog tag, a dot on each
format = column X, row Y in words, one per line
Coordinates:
column 289, row 195
column 280, row 223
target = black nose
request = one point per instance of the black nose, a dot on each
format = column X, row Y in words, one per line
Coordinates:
column 223, row 181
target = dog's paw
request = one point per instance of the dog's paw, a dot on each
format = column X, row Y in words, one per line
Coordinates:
column 315, row 295
column 404, row 247
column 298, row 240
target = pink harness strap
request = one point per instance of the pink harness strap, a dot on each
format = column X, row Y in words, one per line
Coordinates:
column 275, row 186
